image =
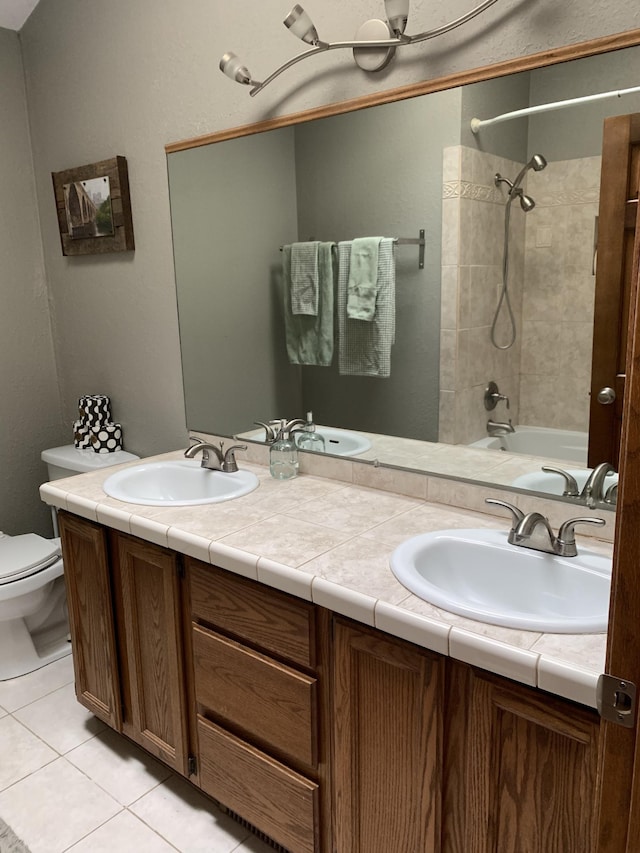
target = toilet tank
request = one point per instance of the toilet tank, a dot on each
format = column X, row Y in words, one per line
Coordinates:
column 68, row 460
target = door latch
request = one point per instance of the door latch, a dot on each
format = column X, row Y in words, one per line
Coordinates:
column 616, row 700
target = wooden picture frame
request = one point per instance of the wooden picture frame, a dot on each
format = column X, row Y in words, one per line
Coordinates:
column 94, row 208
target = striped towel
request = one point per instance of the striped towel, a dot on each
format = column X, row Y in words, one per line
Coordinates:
column 365, row 347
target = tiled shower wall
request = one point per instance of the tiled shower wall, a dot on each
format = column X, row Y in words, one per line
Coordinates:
column 472, row 244
column 559, row 288
column 546, row 372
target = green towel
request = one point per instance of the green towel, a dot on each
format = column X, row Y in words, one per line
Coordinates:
column 304, row 278
column 365, row 348
column 362, row 287
column 309, row 339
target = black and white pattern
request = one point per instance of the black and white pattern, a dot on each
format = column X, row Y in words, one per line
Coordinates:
column 94, row 409
column 81, row 435
column 95, row 430
column 106, row 438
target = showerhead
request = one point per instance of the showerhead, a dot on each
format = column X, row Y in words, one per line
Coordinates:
column 526, row 203
column 537, row 162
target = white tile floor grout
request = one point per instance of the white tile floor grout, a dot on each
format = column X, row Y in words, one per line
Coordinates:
column 69, row 783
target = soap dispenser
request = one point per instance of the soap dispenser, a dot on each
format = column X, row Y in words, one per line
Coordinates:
column 283, row 454
column 308, row 438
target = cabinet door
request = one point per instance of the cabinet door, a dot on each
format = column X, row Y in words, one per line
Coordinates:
column 148, row 599
column 521, row 769
column 387, row 744
column 95, row 662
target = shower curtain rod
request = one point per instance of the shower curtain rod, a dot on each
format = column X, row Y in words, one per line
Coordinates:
column 477, row 124
column 405, row 241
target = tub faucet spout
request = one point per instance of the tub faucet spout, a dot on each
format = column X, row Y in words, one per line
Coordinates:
column 495, row 428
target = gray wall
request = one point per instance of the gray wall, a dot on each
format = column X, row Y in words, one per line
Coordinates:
column 491, row 98
column 233, row 205
column 394, row 191
column 577, row 131
column 126, row 78
column 30, row 417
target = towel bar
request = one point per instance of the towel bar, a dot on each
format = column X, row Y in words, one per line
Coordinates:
column 404, row 241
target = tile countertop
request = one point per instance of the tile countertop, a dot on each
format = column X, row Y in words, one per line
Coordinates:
column 329, row 541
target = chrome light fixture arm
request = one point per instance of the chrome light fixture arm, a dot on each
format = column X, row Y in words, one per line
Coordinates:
column 232, row 67
column 452, row 25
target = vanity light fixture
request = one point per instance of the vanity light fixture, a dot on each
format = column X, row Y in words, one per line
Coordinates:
column 374, row 45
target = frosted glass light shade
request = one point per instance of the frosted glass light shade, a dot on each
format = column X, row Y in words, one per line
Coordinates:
column 397, row 14
column 301, row 25
column 232, row 66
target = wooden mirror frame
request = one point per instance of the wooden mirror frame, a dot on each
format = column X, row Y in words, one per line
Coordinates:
column 555, row 56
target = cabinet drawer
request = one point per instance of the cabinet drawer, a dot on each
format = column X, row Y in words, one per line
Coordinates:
column 275, row 799
column 265, row 617
column 261, row 697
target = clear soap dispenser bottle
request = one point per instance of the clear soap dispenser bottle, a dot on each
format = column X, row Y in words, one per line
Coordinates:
column 283, row 455
column 308, row 438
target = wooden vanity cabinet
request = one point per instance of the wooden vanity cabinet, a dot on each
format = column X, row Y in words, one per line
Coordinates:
column 520, row 768
column 124, row 611
column 258, row 676
column 147, row 595
column 267, row 692
column 434, row 756
column 387, row 732
column 91, row 617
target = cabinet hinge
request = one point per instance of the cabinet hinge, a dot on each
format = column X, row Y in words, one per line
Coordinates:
column 192, row 767
column 616, row 700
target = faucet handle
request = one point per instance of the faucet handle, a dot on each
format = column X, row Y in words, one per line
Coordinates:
column 517, row 514
column 229, row 464
column 570, row 483
column 566, row 540
column 611, row 495
column 270, row 430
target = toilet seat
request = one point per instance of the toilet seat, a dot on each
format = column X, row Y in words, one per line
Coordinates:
column 26, row 555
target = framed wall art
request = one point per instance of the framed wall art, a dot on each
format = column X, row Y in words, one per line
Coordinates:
column 94, row 208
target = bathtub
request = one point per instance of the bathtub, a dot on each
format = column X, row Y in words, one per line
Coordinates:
column 568, row 445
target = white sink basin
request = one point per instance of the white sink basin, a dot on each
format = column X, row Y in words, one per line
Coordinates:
column 554, row 484
column 476, row 573
column 343, row 442
column 177, row 483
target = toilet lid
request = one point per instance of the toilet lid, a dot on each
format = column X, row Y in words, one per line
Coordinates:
column 21, row 556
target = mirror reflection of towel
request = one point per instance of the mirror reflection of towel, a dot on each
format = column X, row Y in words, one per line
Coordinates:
column 364, row 348
column 304, row 278
column 362, row 286
column 309, row 338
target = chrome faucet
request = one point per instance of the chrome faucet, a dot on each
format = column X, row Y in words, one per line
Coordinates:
column 594, row 489
column 534, row 531
column 495, row 428
column 272, row 428
column 215, row 458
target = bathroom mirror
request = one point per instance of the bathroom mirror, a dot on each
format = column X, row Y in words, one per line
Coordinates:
column 394, row 169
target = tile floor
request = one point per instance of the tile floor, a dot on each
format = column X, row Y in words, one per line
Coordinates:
column 67, row 782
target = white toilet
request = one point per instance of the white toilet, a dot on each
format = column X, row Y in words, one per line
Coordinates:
column 34, row 626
